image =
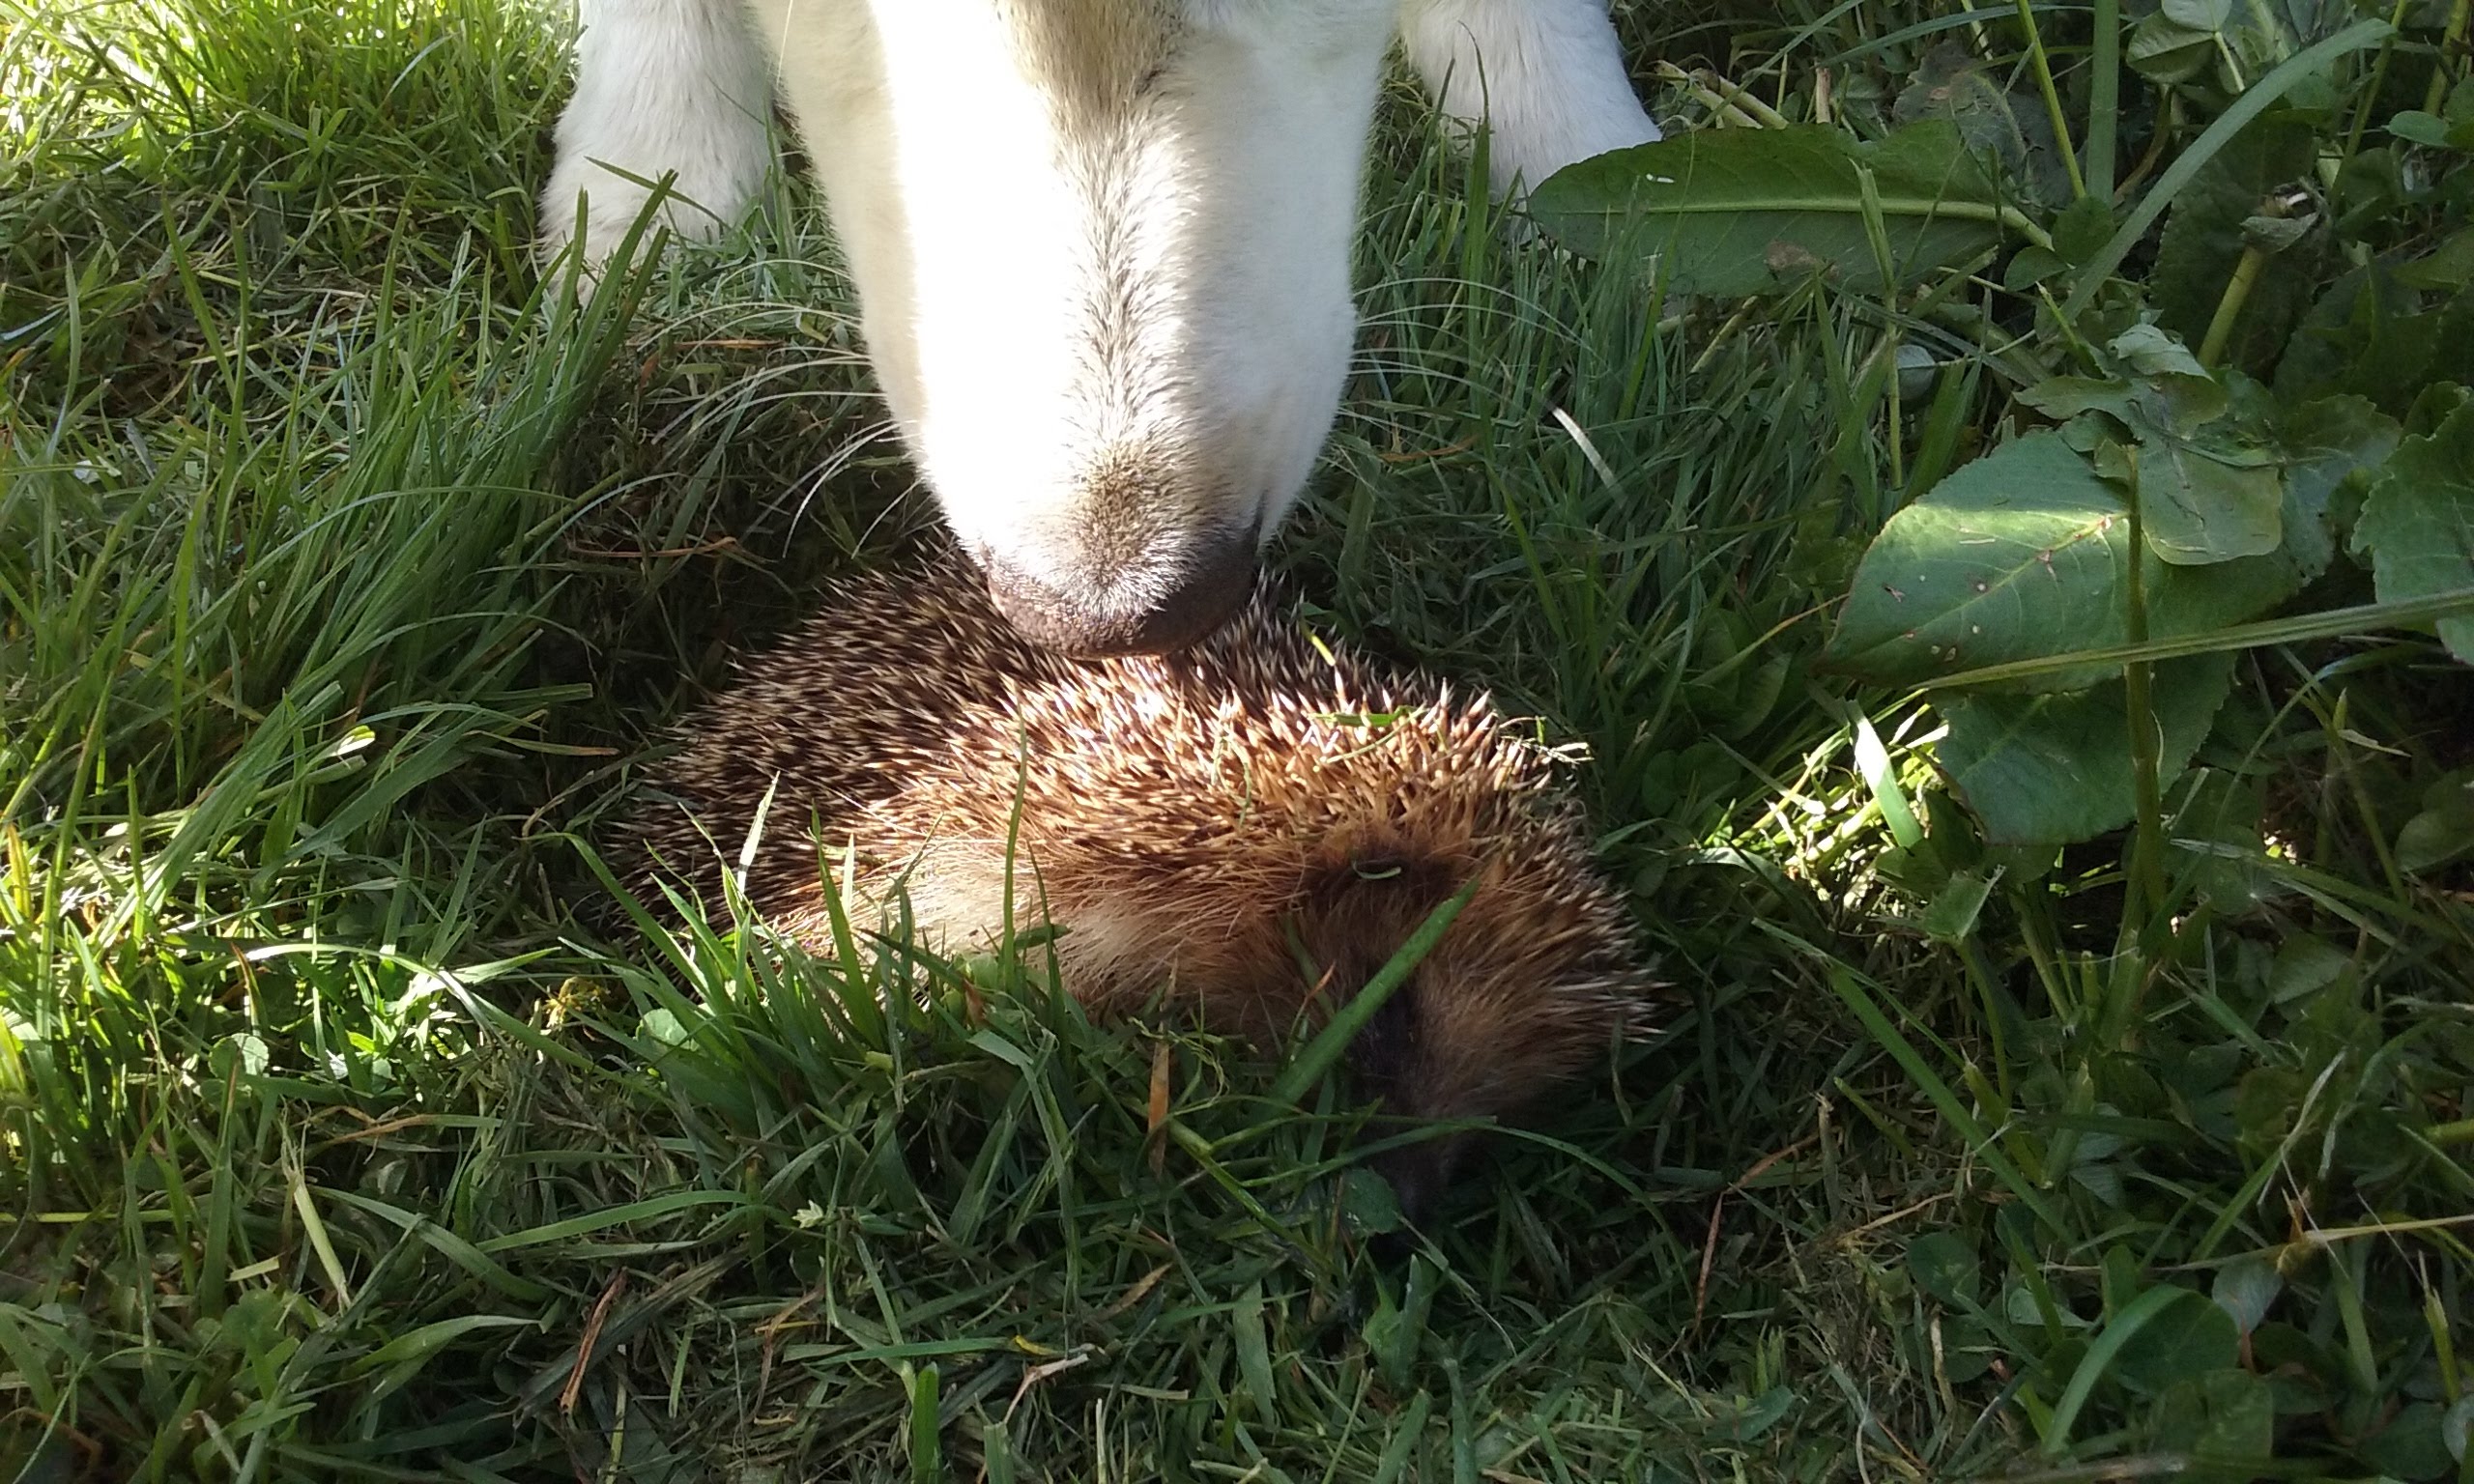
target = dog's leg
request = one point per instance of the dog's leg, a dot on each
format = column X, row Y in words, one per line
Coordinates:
column 661, row 86
column 1546, row 75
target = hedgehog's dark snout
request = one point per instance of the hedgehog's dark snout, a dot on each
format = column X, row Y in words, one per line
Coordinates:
column 1420, row 1174
column 1385, row 1058
column 1383, row 1054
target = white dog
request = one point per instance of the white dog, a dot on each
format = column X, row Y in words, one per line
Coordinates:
column 1101, row 247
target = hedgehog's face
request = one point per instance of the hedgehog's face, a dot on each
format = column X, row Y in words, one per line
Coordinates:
column 1524, row 990
column 1102, row 250
column 1393, row 1059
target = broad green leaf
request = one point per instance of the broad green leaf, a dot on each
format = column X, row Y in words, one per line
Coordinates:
column 1953, row 912
column 2433, row 839
column 2370, row 335
column 2245, row 1289
column 2018, row 1305
column 2324, row 443
column 2446, row 267
column 2172, row 404
column 2197, row 15
column 2424, row 128
column 2165, row 50
column 1736, row 212
column 2276, row 234
column 2150, row 349
column 2188, row 1336
column 2420, row 128
column 2223, row 1420
column 2202, row 503
column 2081, row 229
column 1968, row 1350
column 2055, row 769
column 2065, row 397
column 1955, row 84
column 2209, row 491
column 2294, row 74
column 2018, row 556
column 2433, row 405
column 2417, row 522
column 2304, row 965
column 2411, row 1446
column 2031, row 266
column 1998, row 562
column 1945, row 1266
column 2444, row 829
column 1369, row 1203
column 1994, row 114
column 2204, row 238
column 2163, row 398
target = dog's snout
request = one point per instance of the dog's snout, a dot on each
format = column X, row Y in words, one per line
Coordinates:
column 1128, row 613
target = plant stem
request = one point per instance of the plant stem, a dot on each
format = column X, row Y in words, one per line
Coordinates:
column 2378, row 79
column 2104, row 97
column 2169, row 117
column 2145, row 886
column 2237, row 290
column 2053, row 98
column 2250, row 105
column 1741, row 97
column 2438, row 92
column 1734, row 109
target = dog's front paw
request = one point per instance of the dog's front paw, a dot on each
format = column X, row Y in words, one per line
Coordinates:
column 602, row 199
column 672, row 89
column 1546, row 76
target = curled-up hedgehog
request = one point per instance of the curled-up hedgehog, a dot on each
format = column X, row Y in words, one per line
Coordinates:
column 1179, row 817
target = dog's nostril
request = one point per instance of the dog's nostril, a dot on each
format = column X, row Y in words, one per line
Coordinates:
column 1128, row 615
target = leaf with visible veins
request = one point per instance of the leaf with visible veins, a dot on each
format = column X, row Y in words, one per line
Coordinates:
column 2018, row 556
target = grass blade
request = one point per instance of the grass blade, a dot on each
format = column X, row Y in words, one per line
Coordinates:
column 1322, row 1053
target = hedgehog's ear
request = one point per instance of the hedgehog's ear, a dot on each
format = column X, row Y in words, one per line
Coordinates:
column 1353, row 913
column 1349, row 915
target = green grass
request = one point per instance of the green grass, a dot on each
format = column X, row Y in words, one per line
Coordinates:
column 342, row 1134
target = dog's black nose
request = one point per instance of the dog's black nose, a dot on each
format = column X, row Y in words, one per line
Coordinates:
column 1135, row 612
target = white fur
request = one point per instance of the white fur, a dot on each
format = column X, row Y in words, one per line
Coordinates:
column 1545, row 76
column 661, row 86
column 1101, row 247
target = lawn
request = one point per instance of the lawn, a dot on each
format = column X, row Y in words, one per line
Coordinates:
column 2071, row 1073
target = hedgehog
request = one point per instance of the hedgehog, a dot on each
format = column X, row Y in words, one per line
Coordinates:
column 1241, row 832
